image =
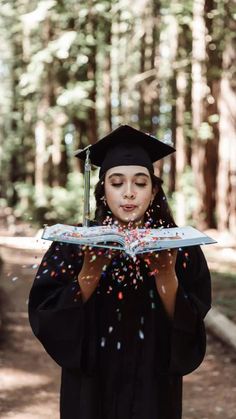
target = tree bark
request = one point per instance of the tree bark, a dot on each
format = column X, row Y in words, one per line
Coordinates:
column 198, row 93
column 43, row 162
column 92, row 75
column 107, row 80
column 205, row 112
column 226, row 192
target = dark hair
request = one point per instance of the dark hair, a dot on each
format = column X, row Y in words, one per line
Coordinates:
column 157, row 215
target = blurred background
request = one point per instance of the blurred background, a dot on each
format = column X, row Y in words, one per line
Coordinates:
column 70, row 72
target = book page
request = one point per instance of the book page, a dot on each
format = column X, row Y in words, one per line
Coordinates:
column 132, row 241
column 83, row 235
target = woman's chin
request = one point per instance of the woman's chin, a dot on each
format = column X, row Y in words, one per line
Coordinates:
column 130, row 220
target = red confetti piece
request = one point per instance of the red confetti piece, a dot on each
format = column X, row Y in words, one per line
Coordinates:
column 120, row 295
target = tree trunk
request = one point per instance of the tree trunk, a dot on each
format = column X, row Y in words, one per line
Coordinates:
column 174, row 94
column 181, row 207
column 92, row 75
column 17, row 161
column 43, row 164
column 107, row 84
column 206, row 80
column 213, row 74
column 141, row 110
column 226, row 193
column 198, row 93
column 40, row 154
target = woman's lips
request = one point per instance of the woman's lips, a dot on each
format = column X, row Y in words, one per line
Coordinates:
column 128, row 208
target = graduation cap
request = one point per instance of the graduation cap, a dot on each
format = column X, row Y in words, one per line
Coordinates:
column 125, row 146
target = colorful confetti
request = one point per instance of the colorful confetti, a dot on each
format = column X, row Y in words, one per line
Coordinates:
column 141, row 334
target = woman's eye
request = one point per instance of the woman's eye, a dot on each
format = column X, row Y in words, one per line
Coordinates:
column 137, row 184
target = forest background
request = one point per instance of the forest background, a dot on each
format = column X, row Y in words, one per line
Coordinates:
column 71, row 71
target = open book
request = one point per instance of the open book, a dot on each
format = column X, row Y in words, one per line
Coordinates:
column 132, row 241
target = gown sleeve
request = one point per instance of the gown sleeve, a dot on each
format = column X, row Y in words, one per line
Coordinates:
column 193, row 300
column 56, row 311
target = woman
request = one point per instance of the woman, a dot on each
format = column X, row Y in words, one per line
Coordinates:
column 124, row 331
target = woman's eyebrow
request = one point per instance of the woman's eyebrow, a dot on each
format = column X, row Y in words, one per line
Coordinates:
column 115, row 174
column 121, row 174
column 141, row 174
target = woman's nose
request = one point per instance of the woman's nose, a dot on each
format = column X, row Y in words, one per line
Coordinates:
column 129, row 192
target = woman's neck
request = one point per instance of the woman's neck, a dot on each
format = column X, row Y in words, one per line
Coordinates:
column 111, row 220
column 129, row 225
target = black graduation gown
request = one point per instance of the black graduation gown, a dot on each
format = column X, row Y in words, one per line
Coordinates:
column 121, row 355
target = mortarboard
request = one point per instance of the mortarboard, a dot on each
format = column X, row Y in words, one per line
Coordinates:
column 124, row 146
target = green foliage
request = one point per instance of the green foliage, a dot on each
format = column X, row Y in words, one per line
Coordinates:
column 91, row 66
column 62, row 204
column 75, row 100
column 187, row 187
column 205, row 132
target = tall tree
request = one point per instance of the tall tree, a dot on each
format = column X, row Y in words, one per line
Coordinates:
column 226, row 191
column 75, row 70
column 206, row 78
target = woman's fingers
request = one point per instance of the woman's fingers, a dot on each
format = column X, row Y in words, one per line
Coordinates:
column 99, row 255
column 161, row 260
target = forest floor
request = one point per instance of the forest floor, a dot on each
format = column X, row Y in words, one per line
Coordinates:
column 30, row 380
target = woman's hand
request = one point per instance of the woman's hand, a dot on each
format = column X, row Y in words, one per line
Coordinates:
column 162, row 262
column 96, row 259
column 95, row 262
column 162, row 266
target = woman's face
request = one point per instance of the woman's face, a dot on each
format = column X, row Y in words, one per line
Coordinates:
column 128, row 192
